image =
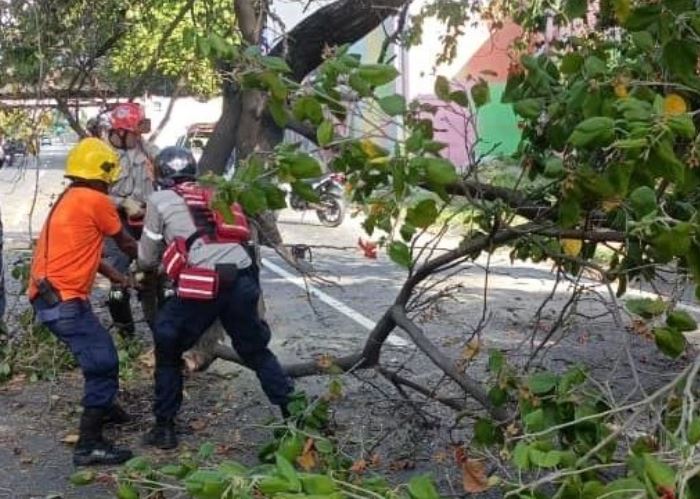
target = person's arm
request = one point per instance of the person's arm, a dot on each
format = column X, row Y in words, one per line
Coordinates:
column 126, row 243
column 151, row 243
column 113, row 274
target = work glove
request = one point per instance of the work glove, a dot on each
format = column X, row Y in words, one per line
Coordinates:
column 132, row 208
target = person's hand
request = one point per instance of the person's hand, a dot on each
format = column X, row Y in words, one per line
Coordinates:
column 127, row 281
column 133, row 208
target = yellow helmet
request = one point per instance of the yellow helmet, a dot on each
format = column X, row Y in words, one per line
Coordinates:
column 92, row 159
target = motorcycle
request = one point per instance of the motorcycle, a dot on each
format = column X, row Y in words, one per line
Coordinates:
column 330, row 207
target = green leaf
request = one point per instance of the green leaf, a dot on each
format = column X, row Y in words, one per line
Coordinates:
column 480, row 93
column 571, row 63
column 172, row 470
column 594, row 66
column 287, row 471
column 534, row 421
column 643, row 40
column 694, row 431
column 359, row 85
column 541, row 383
column 575, row 8
column 206, row 450
column 670, row 341
column 291, row 446
column 422, row 487
column 275, row 197
column 661, row 474
column 253, row 200
column 496, row 361
column 308, row 108
column 393, row 105
column 681, row 320
column 680, row 57
column 318, row 484
column 83, row 477
column 439, row 171
column 528, row 108
column 126, row 491
column 598, row 130
column 542, row 459
column 498, row 396
column 646, row 307
column 442, row 88
column 554, row 167
column 485, row 432
column 138, row 463
column 682, row 125
column 305, row 191
column 377, row 74
column 276, row 64
column 460, row 98
column 643, row 201
column 625, row 488
column 302, row 165
column 423, row 214
column 400, row 253
column 323, row 445
column 324, row 133
column 278, row 112
column 521, row 455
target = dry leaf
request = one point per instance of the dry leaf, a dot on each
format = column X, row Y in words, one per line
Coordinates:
column 359, row 466
column 325, row 361
column 375, row 461
column 674, row 104
column 148, row 359
column 198, row 424
column 402, row 464
column 571, row 247
column 621, row 90
column 471, row 350
column 440, row 457
column 474, row 478
column 308, row 458
column 70, row 439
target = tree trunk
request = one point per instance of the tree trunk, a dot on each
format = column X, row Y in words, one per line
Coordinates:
column 245, row 127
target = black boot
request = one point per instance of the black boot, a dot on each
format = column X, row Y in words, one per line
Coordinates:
column 285, row 412
column 162, row 435
column 117, row 415
column 120, row 311
column 92, row 448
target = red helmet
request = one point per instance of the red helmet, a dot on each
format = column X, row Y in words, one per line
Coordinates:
column 128, row 116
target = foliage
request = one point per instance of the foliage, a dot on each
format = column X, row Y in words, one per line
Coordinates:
column 301, row 461
column 205, row 33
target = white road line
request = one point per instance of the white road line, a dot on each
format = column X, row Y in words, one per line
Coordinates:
column 341, row 307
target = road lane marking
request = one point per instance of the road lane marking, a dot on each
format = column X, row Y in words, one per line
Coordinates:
column 341, row 307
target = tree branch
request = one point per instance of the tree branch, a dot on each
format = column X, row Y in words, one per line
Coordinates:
column 470, row 385
column 138, row 86
column 338, row 23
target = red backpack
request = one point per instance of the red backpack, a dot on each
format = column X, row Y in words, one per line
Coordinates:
column 198, row 283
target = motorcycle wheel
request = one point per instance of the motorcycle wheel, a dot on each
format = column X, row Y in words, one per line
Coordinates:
column 333, row 211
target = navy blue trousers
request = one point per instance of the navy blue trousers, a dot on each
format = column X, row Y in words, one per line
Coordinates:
column 180, row 323
column 76, row 325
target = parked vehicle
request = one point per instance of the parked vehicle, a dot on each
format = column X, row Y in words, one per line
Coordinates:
column 330, row 208
column 196, row 138
column 46, row 140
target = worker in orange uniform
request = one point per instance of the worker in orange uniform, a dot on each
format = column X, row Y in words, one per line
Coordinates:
column 64, row 265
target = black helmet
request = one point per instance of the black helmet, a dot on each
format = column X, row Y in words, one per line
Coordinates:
column 174, row 164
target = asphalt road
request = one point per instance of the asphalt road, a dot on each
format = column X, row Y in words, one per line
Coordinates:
column 335, row 318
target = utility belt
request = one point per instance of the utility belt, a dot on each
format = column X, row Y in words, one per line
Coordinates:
column 196, row 283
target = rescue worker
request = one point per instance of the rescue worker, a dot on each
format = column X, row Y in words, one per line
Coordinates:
column 218, row 279
column 129, row 192
column 64, row 264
